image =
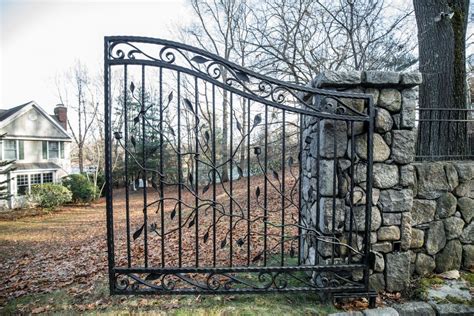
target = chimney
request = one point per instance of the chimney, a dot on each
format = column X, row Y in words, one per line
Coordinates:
column 60, row 112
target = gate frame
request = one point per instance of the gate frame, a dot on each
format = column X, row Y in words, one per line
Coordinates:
column 307, row 92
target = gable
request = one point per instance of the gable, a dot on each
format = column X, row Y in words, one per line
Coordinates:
column 33, row 123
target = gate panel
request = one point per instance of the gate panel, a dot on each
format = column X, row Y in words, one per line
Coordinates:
column 220, row 180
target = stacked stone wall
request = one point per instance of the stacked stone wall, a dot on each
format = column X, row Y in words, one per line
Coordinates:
column 421, row 219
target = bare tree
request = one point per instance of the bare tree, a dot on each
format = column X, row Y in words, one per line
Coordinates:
column 84, row 105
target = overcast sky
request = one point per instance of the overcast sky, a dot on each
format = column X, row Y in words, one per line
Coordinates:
column 42, row 39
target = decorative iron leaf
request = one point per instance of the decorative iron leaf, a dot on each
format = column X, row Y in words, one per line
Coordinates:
column 133, row 141
column 118, row 135
column 240, row 242
column 308, row 139
column 199, row 59
column 257, row 257
column 172, row 131
column 275, row 174
column 257, row 192
column 290, row 161
column 206, row 188
column 206, row 237
column 153, row 227
column 239, row 127
column 257, row 120
column 153, row 276
column 138, row 232
column 170, row 97
column 207, row 136
column 240, row 171
column 132, row 86
column 190, row 178
column 191, row 223
column 292, row 252
column 154, row 185
column 223, row 243
column 310, row 191
column 136, row 119
column 189, row 105
column 173, row 214
column 242, row 76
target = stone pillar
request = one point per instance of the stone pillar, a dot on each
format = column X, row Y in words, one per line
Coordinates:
column 395, row 97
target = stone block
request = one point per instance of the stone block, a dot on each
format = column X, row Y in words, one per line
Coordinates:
column 445, row 205
column 411, row 78
column 358, row 219
column 388, row 233
column 450, row 257
column 382, row 77
column 465, row 170
column 467, row 236
column 468, row 257
column 405, row 231
column 417, row 238
column 381, row 150
column 391, row 219
column 464, row 188
column 424, row 264
column 385, row 176
column 423, row 211
column 396, row 200
column 407, row 175
column 403, row 146
column 436, row 239
column 451, row 176
column 383, row 121
column 397, row 271
column 453, row 310
column 377, row 282
column 466, row 207
column 415, row 309
column 327, row 215
column 453, row 227
column 390, row 99
column 431, row 180
column 384, row 247
column 338, row 78
column 326, row 176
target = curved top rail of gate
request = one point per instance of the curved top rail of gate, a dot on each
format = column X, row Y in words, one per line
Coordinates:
column 137, row 50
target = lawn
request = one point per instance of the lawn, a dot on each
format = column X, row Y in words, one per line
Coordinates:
column 56, row 263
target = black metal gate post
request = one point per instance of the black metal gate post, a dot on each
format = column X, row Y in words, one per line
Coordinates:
column 222, row 177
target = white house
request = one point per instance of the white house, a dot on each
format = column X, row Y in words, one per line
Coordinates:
column 39, row 144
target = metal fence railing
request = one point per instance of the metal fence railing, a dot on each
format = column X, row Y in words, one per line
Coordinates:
column 445, row 134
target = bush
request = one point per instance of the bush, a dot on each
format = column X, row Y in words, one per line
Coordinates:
column 50, row 195
column 83, row 191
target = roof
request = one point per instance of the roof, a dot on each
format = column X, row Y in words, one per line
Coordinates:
column 5, row 113
column 36, row 165
column 9, row 115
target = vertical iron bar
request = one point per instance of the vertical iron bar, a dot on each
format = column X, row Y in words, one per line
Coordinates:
column 127, row 185
column 162, row 201
column 300, row 184
column 283, row 153
column 368, row 211
column 196, row 171
column 180, row 173
column 108, row 169
column 214, row 175
column 144, row 158
column 318, row 178
column 248, row 183
column 265, row 188
column 333, row 245
column 231, row 178
column 351, row 194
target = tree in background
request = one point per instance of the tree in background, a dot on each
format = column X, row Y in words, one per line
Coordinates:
column 84, row 105
column 442, row 26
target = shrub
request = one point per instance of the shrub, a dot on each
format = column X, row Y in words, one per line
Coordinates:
column 50, row 195
column 83, row 191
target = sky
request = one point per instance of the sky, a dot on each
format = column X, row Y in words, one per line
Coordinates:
column 41, row 39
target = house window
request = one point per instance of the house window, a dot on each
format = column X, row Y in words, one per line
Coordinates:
column 10, row 149
column 35, row 178
column 47, row 177
column 53, row 149
column 22, row 184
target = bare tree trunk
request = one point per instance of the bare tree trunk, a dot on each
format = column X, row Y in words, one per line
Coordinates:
column 442, row 58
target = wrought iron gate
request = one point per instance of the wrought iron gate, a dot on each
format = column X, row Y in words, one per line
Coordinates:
column 222, row 180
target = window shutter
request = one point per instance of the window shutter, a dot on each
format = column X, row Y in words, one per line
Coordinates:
column 45, row 149
column 61, row 150
column 21, row 150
